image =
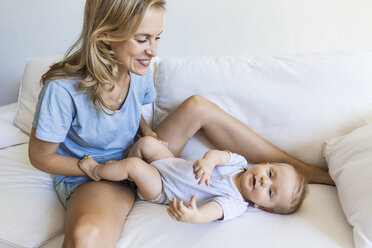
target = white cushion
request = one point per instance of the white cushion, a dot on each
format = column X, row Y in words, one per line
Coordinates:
column 350, row 165
column 30, row 211
column 296, row 101
column 10, row 135
column 29, row 90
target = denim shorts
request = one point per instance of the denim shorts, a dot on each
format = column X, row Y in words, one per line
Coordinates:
column 66, row 185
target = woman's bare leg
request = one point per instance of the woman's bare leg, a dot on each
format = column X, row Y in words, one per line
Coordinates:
column 96, row 213
column 226, row 133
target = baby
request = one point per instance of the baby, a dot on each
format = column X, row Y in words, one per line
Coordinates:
column 220, row 186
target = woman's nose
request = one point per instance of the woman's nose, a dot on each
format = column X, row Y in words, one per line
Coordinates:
column 151, row 49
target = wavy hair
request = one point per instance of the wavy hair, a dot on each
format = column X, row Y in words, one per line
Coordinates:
column 90, row 59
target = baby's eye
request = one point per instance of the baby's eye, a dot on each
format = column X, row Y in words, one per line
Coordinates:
column 270, row 173
column 270, row 192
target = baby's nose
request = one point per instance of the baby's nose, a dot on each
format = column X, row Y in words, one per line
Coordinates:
column 264, row 181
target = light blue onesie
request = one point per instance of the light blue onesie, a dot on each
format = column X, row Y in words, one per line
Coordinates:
column 179, row 182
column 65, row 116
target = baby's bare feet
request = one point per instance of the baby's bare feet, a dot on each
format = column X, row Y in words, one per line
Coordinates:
column 88, row 164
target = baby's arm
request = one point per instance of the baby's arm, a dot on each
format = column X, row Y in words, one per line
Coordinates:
column 204, row 214
column 203, row 168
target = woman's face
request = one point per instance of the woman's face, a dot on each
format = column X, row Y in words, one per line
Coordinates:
column 135, row 54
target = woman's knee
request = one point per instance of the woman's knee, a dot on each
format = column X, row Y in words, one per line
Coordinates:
column 198, row 103
column 86, row 233
column 200, row 107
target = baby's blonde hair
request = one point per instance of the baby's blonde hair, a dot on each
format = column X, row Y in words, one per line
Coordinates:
column 90, row 59
column 298, row 194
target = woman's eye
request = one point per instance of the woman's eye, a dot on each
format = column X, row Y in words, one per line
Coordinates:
column 141, row 41
column 158, row 38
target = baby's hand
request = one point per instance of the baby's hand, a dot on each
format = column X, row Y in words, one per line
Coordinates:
column 178, row 211
column 203, row 168
column 87, row 165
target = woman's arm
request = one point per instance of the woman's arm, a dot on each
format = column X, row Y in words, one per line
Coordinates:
column 43, row 156
column 145, row 129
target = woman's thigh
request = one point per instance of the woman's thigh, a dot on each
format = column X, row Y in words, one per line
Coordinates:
column 197, row 113
column 96, row 213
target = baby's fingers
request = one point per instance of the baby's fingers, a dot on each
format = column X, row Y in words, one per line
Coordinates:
column 171, row 214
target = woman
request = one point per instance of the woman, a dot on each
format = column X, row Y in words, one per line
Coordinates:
column 91, row 103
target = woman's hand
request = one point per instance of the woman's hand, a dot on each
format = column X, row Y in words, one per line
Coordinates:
column 147, row 131
column 153, row 134
column 203, row 169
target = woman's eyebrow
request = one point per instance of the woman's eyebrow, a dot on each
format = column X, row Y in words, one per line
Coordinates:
column 147, row 34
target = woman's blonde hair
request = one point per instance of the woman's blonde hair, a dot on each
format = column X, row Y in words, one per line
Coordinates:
column 90, row 59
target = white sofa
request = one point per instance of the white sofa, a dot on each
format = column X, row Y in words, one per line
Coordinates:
column 316, row 107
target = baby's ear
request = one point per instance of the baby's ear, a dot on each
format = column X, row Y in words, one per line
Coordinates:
column 262, row 208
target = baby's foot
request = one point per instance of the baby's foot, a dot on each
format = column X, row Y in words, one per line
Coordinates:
column 88, row 164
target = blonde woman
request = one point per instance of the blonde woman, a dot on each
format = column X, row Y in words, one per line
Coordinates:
column 91, row 103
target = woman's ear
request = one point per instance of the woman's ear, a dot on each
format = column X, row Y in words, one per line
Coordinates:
column 104, row 38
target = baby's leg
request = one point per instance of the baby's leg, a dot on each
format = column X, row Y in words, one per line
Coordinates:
column 150, row 149
column 146, row 177
column 89, row 165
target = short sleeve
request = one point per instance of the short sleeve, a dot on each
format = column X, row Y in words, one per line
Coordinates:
column 237, row 160
column 231, row 207
column 150, row 93
column 54, row 113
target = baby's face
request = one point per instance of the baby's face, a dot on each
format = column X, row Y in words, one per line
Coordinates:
column 269, row 185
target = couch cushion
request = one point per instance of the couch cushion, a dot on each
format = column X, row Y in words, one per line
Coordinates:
column 30, row 211
column 296, row 101
column 10, row 135
column 29, row 90
column 349, row 159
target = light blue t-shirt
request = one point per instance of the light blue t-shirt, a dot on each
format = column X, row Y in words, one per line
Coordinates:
column 179, row 182
column 64, row 115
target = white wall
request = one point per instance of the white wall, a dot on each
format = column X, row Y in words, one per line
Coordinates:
column 31, row 28
column 192, row 28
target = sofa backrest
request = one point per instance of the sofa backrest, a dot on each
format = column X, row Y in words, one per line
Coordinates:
column 296, row 102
